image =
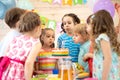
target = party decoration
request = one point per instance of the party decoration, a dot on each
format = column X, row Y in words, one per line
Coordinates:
column 2, row 10
column 44, row 20
column 106, row 5
column 25, row 4
column 67, row 2
column 51, row 24
column 91, row 3
column 50, row 1
column 9, row 3
column 77, row 2
column 84, row 1
column 57, row 2
column 117, row 7
column 58, row 28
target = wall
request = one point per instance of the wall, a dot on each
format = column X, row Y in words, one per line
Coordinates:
column 56, row 12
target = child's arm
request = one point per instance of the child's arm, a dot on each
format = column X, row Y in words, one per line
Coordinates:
column 106, row 49
column 87, row 56
column 30, row 61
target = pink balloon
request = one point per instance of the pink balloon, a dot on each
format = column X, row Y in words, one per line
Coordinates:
column 106, row 5
column 57, row 1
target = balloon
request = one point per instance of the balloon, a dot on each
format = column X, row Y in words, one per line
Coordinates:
column 57, row 2
column 106, row 5
column 2, row 10
column 25, row 4
column 9, row 3
column 91, row 3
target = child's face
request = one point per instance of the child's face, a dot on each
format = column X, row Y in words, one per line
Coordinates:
column 89, row 29
column 49, row 37
column 68, row 24
column 78, row 38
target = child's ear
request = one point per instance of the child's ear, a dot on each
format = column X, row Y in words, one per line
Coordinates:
column 75, row 23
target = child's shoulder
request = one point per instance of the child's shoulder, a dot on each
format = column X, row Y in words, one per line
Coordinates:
column 102, row 36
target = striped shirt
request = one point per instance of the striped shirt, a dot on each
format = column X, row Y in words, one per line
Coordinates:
column 65, row 41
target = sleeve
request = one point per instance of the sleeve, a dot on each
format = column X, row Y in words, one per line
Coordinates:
column 102, row 37
column 80, row 59
column 59, row 42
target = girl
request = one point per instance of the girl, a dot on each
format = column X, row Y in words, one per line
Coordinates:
column 81, row 36
column 24, row 49
column 65, row 40
column 44, row 64
column 105, row 58
column 47, row 39
column 91, row 49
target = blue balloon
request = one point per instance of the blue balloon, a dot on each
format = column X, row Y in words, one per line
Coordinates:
column 9, row 3
column 2, row 10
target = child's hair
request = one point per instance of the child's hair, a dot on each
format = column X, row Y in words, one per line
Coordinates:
column 43, row 33
column 62, row 27
column 13, row 16
column 88, row 19
column 73, row 16
column 102, row 22
column 81, row 29
column 29, row 21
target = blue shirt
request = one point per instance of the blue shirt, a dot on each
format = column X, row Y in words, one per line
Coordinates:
column 84, row 48
column 65, row 41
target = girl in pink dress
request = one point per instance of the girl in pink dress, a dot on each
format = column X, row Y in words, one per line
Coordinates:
column 24, row 49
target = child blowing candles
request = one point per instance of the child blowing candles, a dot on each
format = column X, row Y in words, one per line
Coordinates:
column 65, row 40
column 44, row 63
column 24, row 48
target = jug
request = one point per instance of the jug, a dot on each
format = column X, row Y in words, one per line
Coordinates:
column 65, row 69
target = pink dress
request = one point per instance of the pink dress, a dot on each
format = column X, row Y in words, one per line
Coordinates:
column 19, row 49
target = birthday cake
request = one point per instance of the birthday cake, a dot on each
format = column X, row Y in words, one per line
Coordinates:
column 60, row 52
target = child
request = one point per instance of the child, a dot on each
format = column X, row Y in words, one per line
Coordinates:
column 81, row 36
column 65, row 40
column 91, row 49
column 11, row 18
column 47, row 39
column 44, row 64
column 106, row 50
column 24, row 49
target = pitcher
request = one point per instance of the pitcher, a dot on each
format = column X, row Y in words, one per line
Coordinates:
column 65, row 69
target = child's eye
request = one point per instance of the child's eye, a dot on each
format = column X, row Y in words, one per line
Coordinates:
column 48, row 36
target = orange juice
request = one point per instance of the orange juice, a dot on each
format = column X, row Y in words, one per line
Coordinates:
column 65, row 74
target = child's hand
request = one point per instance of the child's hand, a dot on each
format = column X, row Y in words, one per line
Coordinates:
column 87, row 56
